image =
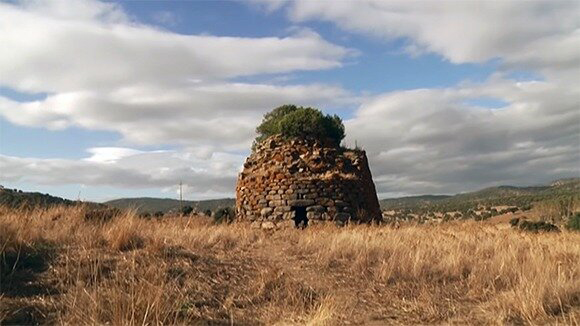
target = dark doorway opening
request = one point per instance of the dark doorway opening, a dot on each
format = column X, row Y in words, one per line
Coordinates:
column 300, row 218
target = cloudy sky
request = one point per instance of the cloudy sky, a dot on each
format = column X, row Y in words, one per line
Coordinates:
column 125, row 99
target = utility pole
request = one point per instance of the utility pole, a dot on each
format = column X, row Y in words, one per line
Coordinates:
column 180, row 197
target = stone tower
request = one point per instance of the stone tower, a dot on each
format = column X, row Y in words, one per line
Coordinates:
column 305, row 180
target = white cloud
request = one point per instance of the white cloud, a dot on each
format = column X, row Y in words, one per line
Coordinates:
column 543, row 35
column 165, row 17
column 78, row 10
column 103, row 70
column 129, row 169
column 432, row 141
column 56, row 51
column 219, row 115
column 110, row 154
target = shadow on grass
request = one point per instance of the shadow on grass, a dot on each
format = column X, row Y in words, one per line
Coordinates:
column 20, row 282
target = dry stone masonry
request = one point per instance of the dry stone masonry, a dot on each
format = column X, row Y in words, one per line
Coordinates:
column 284, row 180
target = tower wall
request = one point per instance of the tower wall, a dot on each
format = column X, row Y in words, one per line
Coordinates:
column 332, row 183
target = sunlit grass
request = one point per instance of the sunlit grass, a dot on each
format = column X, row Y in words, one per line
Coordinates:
column 132, row 271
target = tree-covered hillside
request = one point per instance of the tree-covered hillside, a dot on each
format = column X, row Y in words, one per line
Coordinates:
column 493, row 196
column 411, row 201
column 15, row 198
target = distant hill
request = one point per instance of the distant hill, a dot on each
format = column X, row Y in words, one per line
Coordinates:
column 501, row 195
column 411, row 200
column 15, row 198
column 152, row 205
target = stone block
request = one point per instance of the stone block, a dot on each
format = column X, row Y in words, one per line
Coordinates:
column 342, row 217
column 301, row 202
column 310, row 196
column 282, row 209
column 266, row 211
column 275, row 203
column 314, row 215
column 316, row 208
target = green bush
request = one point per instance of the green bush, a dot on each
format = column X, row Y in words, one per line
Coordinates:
column 186, row 210
column 292, row 121
column 514, row 222
column 537, row 226
column 224, row 215
column 103, row 214
column 574, row 223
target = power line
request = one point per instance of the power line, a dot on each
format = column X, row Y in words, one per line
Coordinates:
column 180, row 197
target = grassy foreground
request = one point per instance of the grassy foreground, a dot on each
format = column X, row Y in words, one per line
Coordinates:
column 57, row 267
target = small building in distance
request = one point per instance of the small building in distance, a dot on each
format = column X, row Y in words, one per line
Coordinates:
column 297, row 181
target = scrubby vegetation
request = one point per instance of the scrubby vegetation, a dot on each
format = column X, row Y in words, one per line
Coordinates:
column 555, row 203
column 187, row 210
column 16, row 198
column 294, row 121
column 224, row 215
column 574, row 223
column 531, row 226
column 168, row 205
column 59, row 267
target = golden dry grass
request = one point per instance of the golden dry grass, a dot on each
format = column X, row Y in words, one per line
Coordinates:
column 57, row 267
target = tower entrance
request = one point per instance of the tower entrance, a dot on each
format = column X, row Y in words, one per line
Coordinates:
column 300, row 218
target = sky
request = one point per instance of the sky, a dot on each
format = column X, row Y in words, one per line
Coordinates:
column 102, row 100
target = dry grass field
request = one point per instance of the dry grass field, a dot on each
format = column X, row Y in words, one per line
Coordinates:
column 59, row 268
